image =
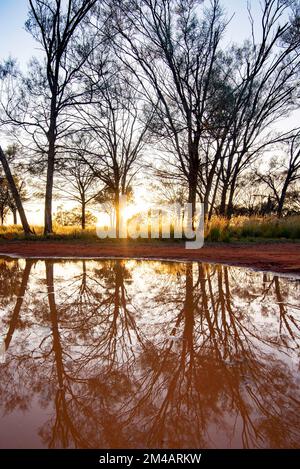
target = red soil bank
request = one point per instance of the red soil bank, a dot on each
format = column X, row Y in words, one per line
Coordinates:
column 276, row 257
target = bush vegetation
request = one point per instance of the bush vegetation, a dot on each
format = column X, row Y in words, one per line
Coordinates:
column 218, row 229
column 239, row 228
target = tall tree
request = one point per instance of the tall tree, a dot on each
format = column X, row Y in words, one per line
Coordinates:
column 118, row 127
column 174, row 45
column 58, row 28
column 4, row 199
column 7, row 70
column 15, row 193
column 78, row 181
column 282, row 173
column 264, row 81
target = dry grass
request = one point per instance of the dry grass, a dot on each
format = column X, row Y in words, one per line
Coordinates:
column 221, row 229
column 60, row 232
column 216, row 230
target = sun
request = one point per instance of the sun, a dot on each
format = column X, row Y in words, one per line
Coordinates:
column 132, row 209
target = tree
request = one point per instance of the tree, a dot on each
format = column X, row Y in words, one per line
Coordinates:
column 117, row 127
column 282, row 173
column 15, row 157
column 7, row 70
column 73, row 217
column 263, row 81
column 4, row 199
column 52, row 84
column 77, row 181
column 215, row 107
column 15, row 193
column 174, row 45
column 21, row 186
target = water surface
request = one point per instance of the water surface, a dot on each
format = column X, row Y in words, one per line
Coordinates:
column 129, row 354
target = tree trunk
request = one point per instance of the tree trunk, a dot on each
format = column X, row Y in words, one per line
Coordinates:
column 212, row 205
column 192, row 199
column 193, row 176
column 222, row 209
column 282, row 199
column 229, row 211
column 15, row 218
column 83, row 215
column 49, row 188
column 209, row 184
column 206, row 202
column 117, row 209
column 15, row 193
column 149, row 223
column 48, row 228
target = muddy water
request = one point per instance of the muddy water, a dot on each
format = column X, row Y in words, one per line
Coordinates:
column 116, row 354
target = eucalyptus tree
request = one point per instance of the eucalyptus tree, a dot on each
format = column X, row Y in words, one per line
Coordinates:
column 172, row 47
column 77, row 181
column 7, row 71
column 264, row 86
column 4, row 199
column 214, row 105
column 283, row 172
column 43, row 106
column 58, row 28
column 117, row 126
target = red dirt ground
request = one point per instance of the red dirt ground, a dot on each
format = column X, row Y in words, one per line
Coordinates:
column 281, row 257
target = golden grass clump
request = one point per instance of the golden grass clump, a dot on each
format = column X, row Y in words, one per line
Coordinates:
column 218, row 229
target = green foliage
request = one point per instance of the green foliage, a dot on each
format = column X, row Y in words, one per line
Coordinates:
column 73, row 217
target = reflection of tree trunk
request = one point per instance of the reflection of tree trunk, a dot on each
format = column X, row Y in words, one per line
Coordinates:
column 118, row 286
column 184, row 372
column 189, row 307
column 282, row 309
column 119, row 294
column 189, row 323
column 64, row 423
column 54, row 323
column 83, row 282
column 15, row 317
column 121, row 311
column 206, row 313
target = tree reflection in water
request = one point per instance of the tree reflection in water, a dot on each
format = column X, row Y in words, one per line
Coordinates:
column 148, row 354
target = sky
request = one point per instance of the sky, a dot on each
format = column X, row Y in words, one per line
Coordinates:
column 17, row 43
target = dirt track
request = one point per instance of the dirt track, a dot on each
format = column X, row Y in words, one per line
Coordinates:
column 276, row 257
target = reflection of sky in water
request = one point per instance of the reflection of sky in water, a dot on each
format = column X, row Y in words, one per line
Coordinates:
column 147, row 354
